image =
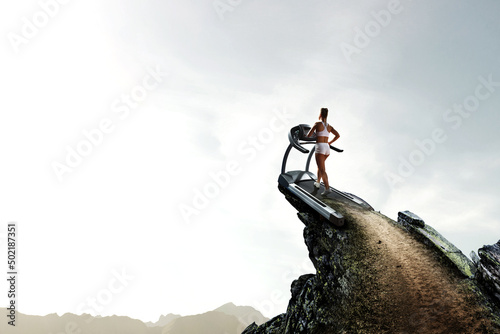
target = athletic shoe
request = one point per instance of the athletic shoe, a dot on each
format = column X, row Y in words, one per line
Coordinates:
column 317, row 185
column 326, row 192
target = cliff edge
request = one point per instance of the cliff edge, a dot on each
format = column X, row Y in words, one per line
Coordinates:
column 376, row 275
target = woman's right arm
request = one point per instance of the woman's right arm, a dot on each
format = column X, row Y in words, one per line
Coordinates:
column 310, row 133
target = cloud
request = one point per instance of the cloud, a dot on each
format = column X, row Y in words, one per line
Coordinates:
column 226, row 78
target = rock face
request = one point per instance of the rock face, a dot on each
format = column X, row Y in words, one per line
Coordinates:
column 355, row 289
column 410, row 218
column 316, row 297
column 428, row 235
column 488, row 269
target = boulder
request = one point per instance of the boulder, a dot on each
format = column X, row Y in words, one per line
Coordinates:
column 488, row 269
column 408, row 217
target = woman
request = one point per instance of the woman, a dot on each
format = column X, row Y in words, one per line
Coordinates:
column 322, row 147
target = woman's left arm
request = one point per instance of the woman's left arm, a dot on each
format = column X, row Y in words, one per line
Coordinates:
column 335, row 133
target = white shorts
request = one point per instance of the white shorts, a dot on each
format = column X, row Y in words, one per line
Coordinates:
column 322, row 148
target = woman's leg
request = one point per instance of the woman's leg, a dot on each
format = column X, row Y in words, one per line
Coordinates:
column 324, row 175
column 317, row 163
column 320, row 161
column 317, row 156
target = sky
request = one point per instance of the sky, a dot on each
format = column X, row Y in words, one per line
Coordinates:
column 142, row 141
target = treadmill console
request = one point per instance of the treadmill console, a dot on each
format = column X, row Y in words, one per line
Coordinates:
column 300, row 132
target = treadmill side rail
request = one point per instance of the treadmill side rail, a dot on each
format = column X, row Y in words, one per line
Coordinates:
column 317, row 205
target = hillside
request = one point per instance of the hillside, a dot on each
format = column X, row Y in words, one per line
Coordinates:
column 227, row 319
column 376, row 275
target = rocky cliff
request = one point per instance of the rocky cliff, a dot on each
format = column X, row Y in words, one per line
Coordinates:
column 488, row 269
column 376, row 275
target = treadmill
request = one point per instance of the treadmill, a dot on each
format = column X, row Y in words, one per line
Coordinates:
column 300, row 183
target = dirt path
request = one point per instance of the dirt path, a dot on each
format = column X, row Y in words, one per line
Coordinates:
column 412, row 292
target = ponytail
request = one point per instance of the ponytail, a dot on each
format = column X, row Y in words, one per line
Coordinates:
column 324, row 114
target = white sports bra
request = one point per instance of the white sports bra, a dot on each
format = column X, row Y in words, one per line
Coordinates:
column 323, row 133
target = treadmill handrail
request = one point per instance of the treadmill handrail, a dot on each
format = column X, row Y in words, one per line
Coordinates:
column 294, row 137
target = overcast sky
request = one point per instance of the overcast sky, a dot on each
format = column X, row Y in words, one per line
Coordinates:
column 142, row 141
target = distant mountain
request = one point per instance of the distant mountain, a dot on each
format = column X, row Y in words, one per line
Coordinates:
column 163, row 320
column 71, row 323
column 245, row 314
column 207, row 323
column 227, row 319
